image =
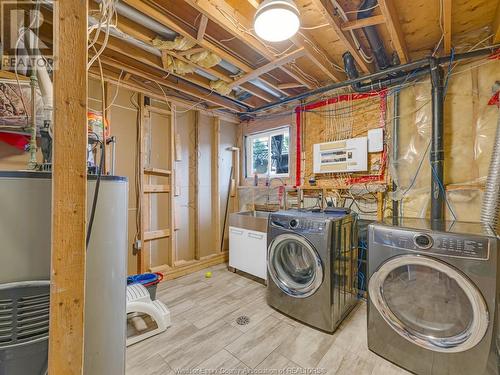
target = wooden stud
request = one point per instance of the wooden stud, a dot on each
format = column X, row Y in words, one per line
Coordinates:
column 364, row 22
column 196, row 183
column 289, row 57
column 159, row 111
column 172, row 256
column 215, row 184
column 495, row 27
column 144, row 255
column 150, row 188
column 380, row 206
column 325, row 8
column 394, row 26
column 156, row 234
column 447, row 9
column 202, row 28
column 157, row 172
column 69, row 190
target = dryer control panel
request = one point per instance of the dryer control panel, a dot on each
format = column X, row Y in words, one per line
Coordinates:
column 444, row 244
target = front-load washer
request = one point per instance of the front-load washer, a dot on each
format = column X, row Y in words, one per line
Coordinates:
column 312, row 266
column 434, row 292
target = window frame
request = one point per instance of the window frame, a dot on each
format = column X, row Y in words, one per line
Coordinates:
column 249, row 151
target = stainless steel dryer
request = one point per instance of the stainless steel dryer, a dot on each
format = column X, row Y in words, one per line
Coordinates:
column 434, row 291
column 312, row 266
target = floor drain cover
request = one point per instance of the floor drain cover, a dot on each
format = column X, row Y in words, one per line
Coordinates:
column 243, row 320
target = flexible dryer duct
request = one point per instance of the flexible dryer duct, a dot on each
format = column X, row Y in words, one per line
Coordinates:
column 491, row 199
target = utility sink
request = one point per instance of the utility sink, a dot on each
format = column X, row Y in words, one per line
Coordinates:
column 251, row 220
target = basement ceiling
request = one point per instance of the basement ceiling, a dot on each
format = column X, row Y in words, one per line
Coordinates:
column 261, row 72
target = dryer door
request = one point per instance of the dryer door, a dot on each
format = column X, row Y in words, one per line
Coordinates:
column 295, row 266
column 429, row 303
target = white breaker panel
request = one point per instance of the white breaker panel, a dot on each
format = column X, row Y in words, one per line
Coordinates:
column 347, row 155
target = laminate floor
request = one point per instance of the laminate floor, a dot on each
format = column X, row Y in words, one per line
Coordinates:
column 205, row 339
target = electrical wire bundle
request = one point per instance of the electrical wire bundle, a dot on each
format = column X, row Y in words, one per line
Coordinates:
column 107, row 18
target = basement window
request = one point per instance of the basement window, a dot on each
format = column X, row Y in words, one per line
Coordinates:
column 267, row 153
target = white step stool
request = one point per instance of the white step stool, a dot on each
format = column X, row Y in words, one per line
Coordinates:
column 139, row 302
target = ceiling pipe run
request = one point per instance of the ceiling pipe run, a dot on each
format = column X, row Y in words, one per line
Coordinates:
column 381, row 84
column 365, row 10
column 423, row 63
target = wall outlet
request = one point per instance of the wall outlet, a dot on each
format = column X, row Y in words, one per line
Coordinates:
column 137, row 246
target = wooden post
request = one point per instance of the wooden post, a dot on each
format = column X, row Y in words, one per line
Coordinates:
column 215, row 184
column 144, row 255
column 380, row 206
column 69, row 189
column 172, row 256
column 196, row 182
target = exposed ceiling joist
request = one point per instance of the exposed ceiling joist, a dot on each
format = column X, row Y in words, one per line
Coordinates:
column 285, row 86
column 258, row 92
column 163, row 19
column 364, row 22
column 179, row 86
column 129, row 27
column 325, row 7
column 202, row 28
column 269, row 66
column 316, row 54
column 218, row 11
column 394, row 26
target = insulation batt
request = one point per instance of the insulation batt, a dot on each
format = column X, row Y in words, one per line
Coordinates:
column 205, row 59
column 221, row 87
column 175, row 65
column 179, row 43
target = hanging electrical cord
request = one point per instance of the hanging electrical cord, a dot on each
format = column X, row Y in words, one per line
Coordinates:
column 96, row 192
column 108, row 14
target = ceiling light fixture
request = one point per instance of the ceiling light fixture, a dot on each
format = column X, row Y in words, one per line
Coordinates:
column 276, row 20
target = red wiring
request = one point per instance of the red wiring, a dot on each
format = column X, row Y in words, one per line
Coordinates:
column 342, row 98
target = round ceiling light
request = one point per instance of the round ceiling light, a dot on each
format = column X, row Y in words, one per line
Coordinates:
column 277, row 20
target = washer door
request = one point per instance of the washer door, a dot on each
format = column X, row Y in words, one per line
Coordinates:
column 295, row 266
column 429, row 303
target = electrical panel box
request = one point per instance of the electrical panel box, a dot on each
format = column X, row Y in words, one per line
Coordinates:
column 347, row 155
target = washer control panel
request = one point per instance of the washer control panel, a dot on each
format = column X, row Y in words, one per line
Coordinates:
column 300, row 224
column 445, row 244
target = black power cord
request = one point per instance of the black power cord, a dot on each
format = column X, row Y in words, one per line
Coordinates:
column 96, row 194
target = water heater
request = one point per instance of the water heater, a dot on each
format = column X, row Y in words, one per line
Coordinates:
column 25, row 230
